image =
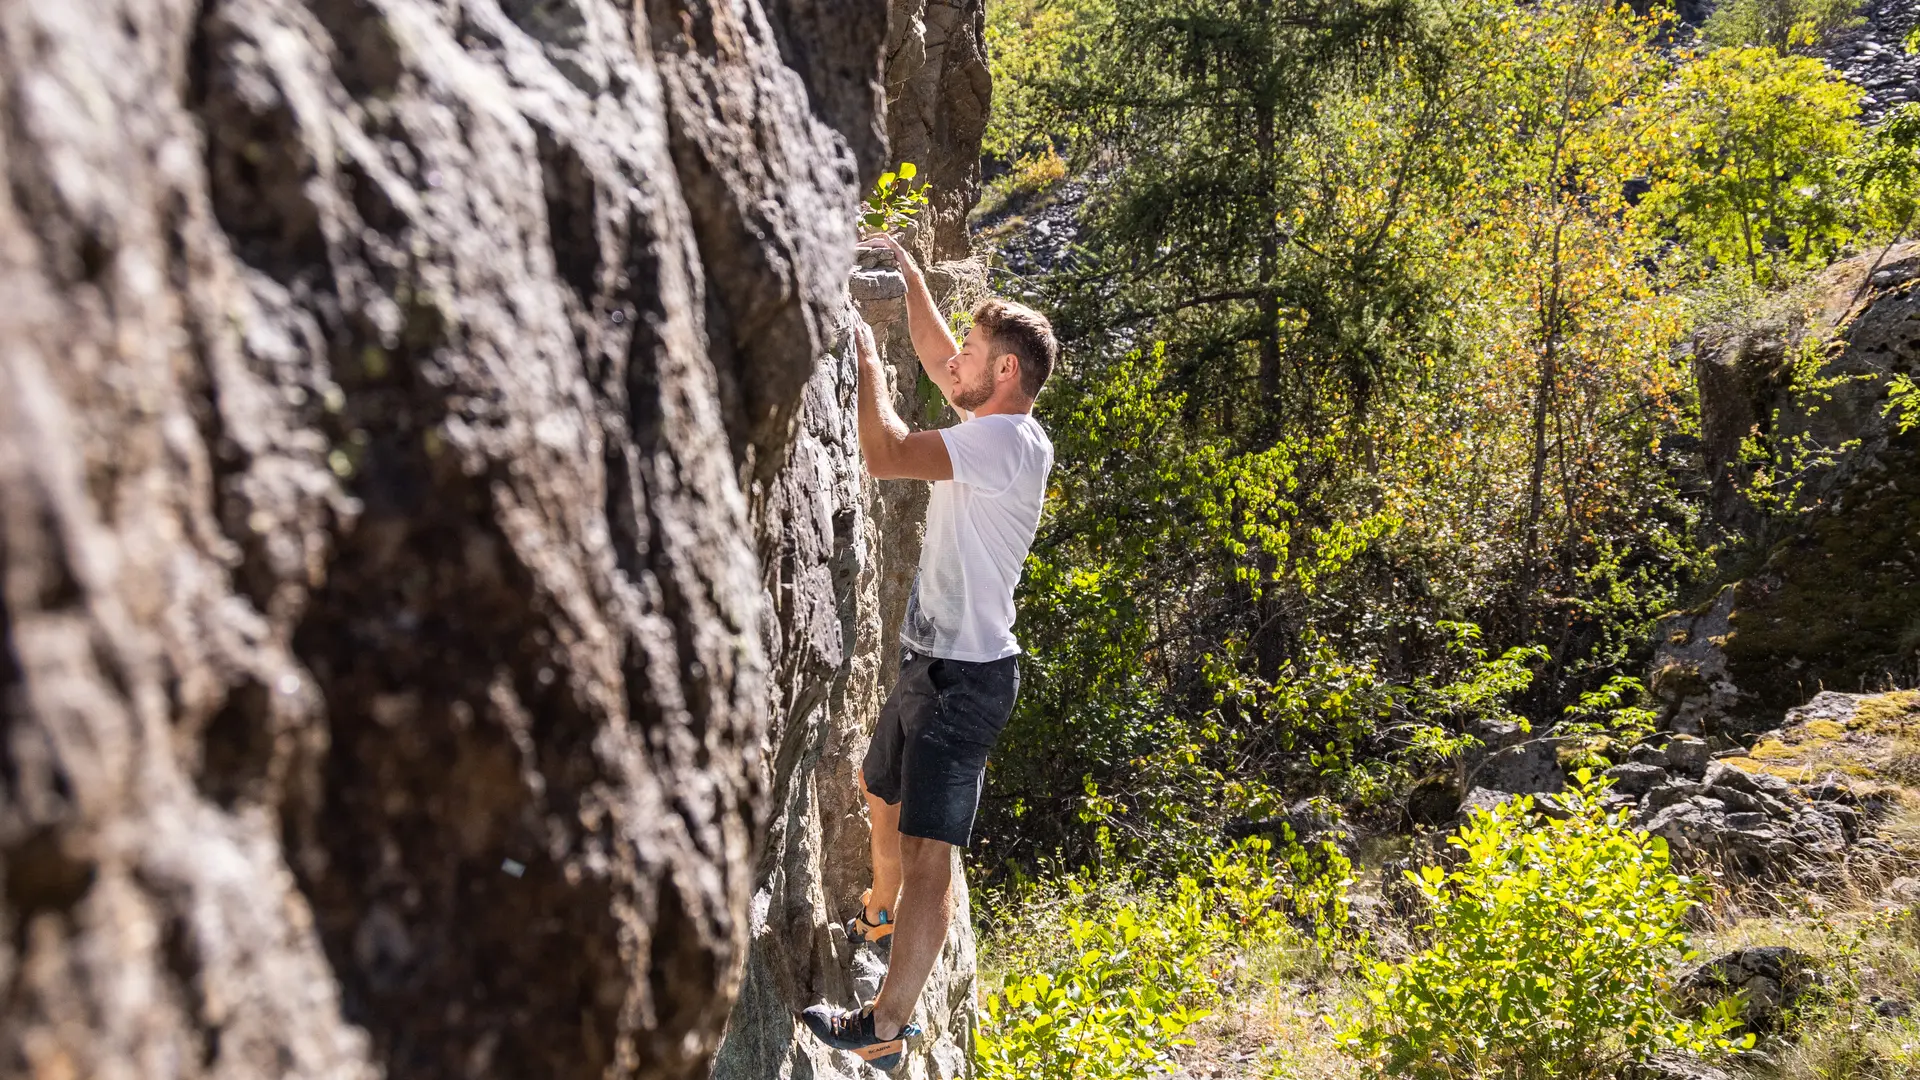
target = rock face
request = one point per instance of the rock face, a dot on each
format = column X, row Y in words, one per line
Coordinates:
column 845, row 563
column 408, row 515
column 1833, row 601
column 938, row 91
column 1690, row 676
column 865, row 537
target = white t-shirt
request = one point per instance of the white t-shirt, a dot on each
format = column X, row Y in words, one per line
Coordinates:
column 979, row 527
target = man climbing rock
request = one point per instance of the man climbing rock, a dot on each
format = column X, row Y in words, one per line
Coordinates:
column 958, row 669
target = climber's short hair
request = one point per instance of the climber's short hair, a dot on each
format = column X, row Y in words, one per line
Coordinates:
column 1022, row 331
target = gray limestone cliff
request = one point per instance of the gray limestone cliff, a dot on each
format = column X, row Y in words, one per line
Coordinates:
column 433, row 562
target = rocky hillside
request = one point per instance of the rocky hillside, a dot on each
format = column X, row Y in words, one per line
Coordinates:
column 1742, row 772
column 429, row 536
column 1873, row 54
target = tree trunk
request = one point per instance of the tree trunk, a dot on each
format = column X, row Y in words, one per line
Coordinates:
column 1536, row 477
column 1269, row 303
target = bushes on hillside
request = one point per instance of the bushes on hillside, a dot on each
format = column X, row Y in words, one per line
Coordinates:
column 1140, row 967
column 1549, row 949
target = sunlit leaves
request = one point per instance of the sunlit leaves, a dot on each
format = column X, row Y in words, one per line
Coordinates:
column 1754, row 144
column 1550, row 950
column 1886, row 171
column 894, row 202
column 1778, row 24
column 1137, row 974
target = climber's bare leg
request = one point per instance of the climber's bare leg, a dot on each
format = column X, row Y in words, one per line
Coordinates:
column 885, row 819
column 926, row 906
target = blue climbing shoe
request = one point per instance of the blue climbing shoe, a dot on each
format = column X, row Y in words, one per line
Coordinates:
column 853, row 1032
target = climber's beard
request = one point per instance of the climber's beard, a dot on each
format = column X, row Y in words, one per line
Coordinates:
column 972, row 397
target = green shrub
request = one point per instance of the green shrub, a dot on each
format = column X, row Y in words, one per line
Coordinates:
column 1549, row 951
column 1116, row 1010
column 1887, row 170
column 1320, row 882
column 1035, row 48
column 1903, row 402
column 1138, row 973
column 1753, row 160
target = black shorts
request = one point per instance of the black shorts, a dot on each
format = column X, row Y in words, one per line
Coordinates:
column 929, row 752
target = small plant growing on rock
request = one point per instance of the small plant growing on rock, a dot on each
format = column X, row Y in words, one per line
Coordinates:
column 894, row 202
column 1550, row 949
column 1611, row 716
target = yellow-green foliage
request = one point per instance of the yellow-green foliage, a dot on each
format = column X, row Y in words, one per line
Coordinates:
column 1117, row 1010
column 895, row 201
column 1139, row 972
column 1040, row 169
column 1752, row 171
column 1835, row 1031
column 1903, row 403
column 1549, row 951
column 1030, row 46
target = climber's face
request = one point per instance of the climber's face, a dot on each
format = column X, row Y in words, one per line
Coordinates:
column 977, row 373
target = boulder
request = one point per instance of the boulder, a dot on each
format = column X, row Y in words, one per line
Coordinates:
column 1742, row 789
column 1832, row 603
column 1690, row 677
column 1772, row 979
column 1648, row 754
column 1667, row 794
column 1482, row 799
column 1636, row 777
column 1697, row 828
column 1687, row 755
column 1905, row 890
column 1890, row 1008
column 1510, row 758
column 1307, row 822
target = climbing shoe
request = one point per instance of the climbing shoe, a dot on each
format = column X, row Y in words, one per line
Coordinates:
column 859, row 929
column 853, row 1032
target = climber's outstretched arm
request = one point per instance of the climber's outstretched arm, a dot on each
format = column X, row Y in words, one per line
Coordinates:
column 892, row 452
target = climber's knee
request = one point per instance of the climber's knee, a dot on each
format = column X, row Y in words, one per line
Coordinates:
column 926, row 860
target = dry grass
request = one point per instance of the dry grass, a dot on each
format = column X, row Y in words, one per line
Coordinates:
column 1868, row 954
column 1277, row 1030
column 1840, row 1031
